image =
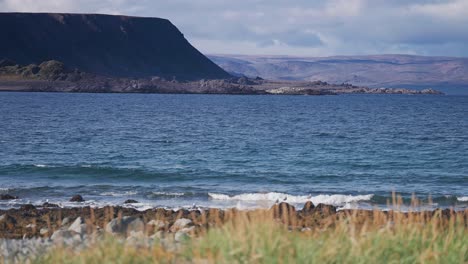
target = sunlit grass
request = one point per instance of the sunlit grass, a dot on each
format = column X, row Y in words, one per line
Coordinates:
column 259, row 237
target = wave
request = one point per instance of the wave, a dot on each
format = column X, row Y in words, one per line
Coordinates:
column 41, row 165
column 169, row 194
column 118, row 194
column 333, row 199
column 462, row 199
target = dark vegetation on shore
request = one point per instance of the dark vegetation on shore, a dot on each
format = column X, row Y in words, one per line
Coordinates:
column 55, row 76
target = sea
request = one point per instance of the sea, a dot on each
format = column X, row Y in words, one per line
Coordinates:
column 234, row 151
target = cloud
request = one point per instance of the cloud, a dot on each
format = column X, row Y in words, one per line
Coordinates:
column 295, row 27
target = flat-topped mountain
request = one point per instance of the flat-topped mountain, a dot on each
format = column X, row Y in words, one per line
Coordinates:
column 117, row 46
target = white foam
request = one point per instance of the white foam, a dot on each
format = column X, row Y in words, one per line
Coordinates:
column 463, row 199
column 40, row 165
column 118, row 194
column 334, row 199
column 168, row 193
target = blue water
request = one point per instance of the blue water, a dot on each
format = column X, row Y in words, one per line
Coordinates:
column 233, row 151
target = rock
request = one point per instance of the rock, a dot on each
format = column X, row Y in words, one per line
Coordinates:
column 49, row 205
column 27, row 207
column 7, row 222
column 44, row 231
column 65, row 236
column 183, row 234
column 79, row 226
column 77, row 198
column 180, row 224
column 158, row 235
column 282, row 209
column 65, row 221
column 7, row 197
column 158, row 224
column 325, row 208
column 125, row 225
column 306, row 229
column 308, row 207
column 130, row 201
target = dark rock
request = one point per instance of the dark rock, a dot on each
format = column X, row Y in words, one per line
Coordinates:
column 283, row 209
column 49, row 205
column 7, row 222
column 308, row 208
column 77, row 198
column 325, row 208
column 7, row 197
column 27, row 207
column 130, row 201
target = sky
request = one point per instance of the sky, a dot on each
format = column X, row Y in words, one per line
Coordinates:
column 294, row 27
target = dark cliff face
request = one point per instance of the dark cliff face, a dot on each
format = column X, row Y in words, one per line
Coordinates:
column 104, row 44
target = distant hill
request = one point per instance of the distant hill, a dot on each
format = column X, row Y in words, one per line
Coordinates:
column 118, row 46
column 397, row 71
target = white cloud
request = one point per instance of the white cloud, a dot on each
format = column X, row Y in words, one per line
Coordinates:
column 296, row 27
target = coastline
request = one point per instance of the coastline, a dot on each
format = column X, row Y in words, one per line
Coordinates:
column 31, row 222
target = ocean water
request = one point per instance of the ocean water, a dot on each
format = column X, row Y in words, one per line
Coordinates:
column 223, row 151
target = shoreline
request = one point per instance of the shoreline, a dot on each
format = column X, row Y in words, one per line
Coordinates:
column 31, row 222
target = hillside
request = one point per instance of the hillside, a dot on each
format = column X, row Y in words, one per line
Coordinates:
column 400, row 71
column 117, row 46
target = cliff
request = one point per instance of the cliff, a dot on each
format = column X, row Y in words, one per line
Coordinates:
column 114, row 46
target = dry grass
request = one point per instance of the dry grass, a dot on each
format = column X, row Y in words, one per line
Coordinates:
column 279, row 237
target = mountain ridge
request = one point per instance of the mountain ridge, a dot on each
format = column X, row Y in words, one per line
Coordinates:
column 387, row 70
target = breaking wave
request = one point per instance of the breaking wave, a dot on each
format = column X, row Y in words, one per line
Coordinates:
column 333, row 199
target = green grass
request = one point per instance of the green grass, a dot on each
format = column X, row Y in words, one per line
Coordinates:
column 257, row 237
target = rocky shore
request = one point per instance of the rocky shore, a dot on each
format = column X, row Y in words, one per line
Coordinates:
column 29, row 221
column 54, row 76
column 32, row 231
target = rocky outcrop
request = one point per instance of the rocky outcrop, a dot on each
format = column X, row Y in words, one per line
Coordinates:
column 7, row 197
column 77, row 198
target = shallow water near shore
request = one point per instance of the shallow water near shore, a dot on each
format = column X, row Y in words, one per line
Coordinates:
column 233, row 151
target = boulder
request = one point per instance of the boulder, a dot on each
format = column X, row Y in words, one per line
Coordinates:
column 130, row 201
column 125, row 225
column 66, row 237
column 158, row 235
column 7, row 222
column 282, row 209
column 308, row 208
column 180, row 224
column 79, row 226
column 158, row 224
column 65, row 221
column 325, row 208
column 49, row 205
column 27, row 207
column 77, row 198
column 183, row 234
column 7, row 197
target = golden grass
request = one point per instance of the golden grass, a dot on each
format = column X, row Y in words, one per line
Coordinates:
column 268, row 236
